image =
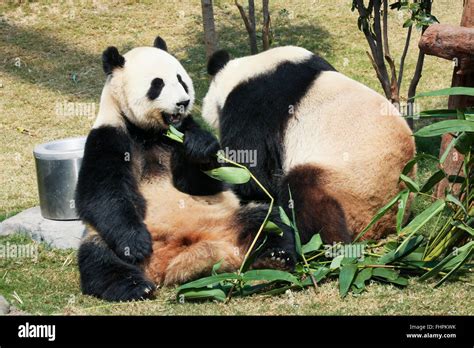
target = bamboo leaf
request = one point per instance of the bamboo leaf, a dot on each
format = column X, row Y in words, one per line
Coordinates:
column 447, row 92
column 321, row 273
column 284, row 218
column 362, row 277
column 208, row 281
column 447, row 151
column 216, row 267
column 412, row 186
column 400, row 281
column 250, row 260
column 385, row 273
column 298, row 246
column 408, row 245
column 356, row 290
column 443, row 127
column 421, row 219
column 203, row 294
column 464, row 142
column 318, row 275
column 269, row 275
column 408, row 23
column 313, row 245
column 456, row 256
column 253, row 289
column 452, row 199
column 438, row 113
column 378, row 215
column 402, row 204
column 231, row 175
column 346, row 276
column 461, row 225
column 336, row 262
column 433, row 180
column 277, row 291
column 455, row 268
column 411, row 163
column 271, row 227
column 456, row 179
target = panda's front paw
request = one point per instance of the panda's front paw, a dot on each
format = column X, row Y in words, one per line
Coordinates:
column 201, row 146
column 132, row 287
column 276, row 258
column 136, row 247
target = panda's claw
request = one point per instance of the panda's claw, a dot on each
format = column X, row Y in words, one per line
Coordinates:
column 130, row 288
column 274, row 259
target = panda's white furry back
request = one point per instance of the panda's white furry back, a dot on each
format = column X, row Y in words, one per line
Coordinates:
column 337, row 145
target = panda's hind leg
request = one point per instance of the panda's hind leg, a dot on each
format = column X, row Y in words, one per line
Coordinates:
column 190, row 255
column 277, row 251
column 103, row 274
column 316, row 209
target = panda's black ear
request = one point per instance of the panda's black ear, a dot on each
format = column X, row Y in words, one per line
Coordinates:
column 217, row 61
column 111, row 59
column 160, row 43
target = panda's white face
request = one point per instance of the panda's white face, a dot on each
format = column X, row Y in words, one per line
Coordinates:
column 152, row 88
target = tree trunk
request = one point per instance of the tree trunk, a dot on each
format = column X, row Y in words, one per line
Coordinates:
column 253, row 29
column 249, row 22
column 210, row 35
column 376, row 55
column 417, row 75
column 266, row 25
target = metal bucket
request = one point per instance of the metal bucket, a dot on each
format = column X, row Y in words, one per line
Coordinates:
column 57, row 169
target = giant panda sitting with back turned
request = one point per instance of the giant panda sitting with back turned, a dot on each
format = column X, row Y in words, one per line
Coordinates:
column 336, row 145
column 152, row 215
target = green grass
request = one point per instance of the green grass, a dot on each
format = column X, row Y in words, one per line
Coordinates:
column 58, row 47
column 50, row 285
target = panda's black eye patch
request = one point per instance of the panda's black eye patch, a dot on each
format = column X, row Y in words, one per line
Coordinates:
column 182, row 83
column 157, row 85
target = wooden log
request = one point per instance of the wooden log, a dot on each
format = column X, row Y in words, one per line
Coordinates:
column 450, row 42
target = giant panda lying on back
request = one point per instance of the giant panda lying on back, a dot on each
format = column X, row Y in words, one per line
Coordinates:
column 152, row 215
column 336, row 145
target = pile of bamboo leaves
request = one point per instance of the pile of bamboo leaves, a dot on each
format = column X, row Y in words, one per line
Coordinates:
column 444, row 251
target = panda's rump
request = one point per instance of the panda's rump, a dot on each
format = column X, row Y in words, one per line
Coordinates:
column 357, row 139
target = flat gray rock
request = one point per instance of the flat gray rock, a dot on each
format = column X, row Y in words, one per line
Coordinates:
column 4, row 306
column 58, row 234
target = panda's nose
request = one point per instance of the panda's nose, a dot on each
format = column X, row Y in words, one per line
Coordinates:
column 183, row 103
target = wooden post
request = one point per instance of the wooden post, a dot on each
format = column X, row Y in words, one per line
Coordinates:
column 454, row 160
